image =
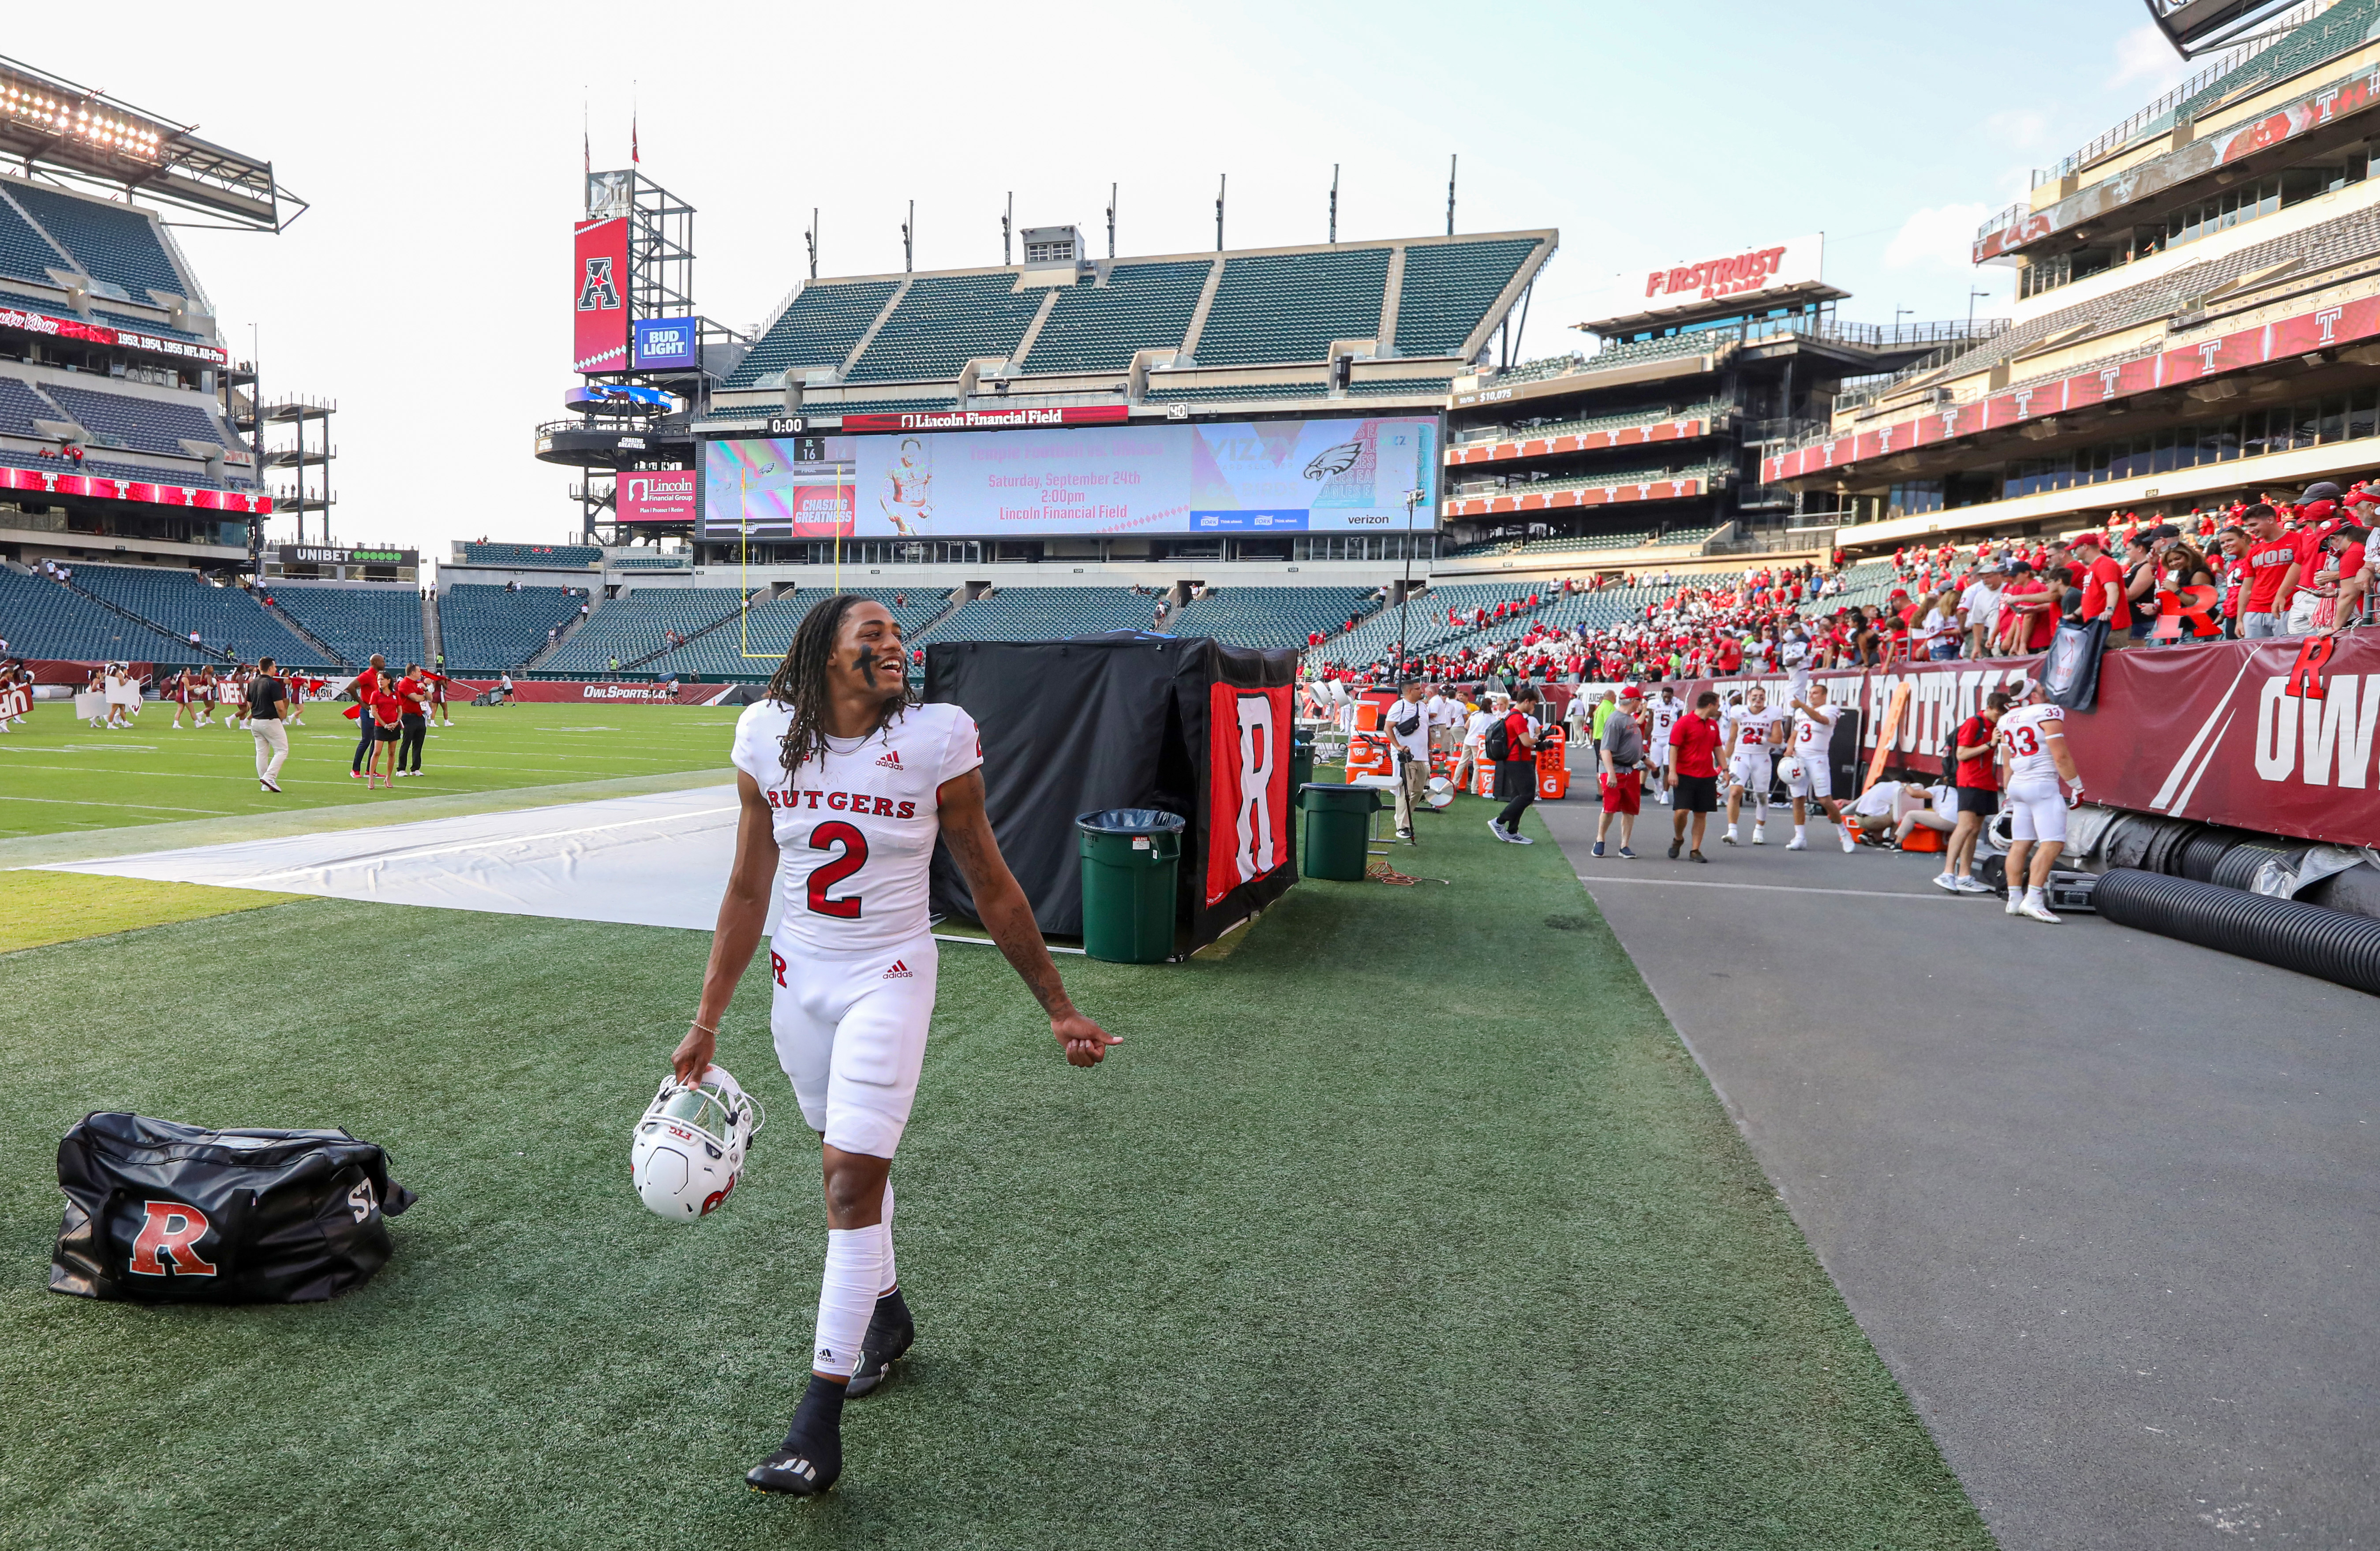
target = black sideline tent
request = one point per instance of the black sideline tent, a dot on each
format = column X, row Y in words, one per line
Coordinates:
column 1129, row 719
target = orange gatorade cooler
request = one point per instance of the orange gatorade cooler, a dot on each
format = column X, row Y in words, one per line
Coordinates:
column 1553, row 772
column 1366, row 755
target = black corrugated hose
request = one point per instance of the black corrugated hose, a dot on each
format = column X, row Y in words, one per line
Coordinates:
column 2288, row 934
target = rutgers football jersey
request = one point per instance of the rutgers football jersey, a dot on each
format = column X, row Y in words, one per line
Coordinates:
column 1753, row 731
column 2025, row 732
column 856, row 830
column 1814, row 735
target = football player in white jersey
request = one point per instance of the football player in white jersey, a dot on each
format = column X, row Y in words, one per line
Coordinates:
column 845, row 785
column 1814, row 773
column 1749, row 762
column 1664, row 712
column 2036, row 769
column 1793, row 654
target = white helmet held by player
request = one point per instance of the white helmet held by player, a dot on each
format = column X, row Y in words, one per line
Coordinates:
column 689, row 1150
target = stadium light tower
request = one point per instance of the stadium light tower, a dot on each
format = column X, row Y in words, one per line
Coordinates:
column 1334, row 203
column 1112, row 210
column 909, row 234
column 1414, row 498
column 810, row 238
column 1450, row 163
column 1223, row 183
column 1007, row 219
column 2197, row 27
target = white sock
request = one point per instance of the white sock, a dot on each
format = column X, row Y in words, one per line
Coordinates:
column 854, row 1257
column 1798, row 829
column 891, row 1273
column 2031, row 895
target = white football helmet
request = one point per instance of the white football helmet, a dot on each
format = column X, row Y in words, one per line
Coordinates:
column 689, row 1150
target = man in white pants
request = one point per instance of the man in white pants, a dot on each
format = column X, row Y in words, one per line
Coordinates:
column 1750, row 745
column 268, row 704
column 1813, row 774
column 1663, row 713
column 845, row 785
column 2036, row 769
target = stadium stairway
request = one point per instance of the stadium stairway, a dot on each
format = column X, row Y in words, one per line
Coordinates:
column 569, row 627
column 186, row 652
column 433, row 639
column 694, row 634
column 299, row 630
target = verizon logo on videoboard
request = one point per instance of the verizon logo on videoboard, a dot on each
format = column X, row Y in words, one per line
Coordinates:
column 666, row 495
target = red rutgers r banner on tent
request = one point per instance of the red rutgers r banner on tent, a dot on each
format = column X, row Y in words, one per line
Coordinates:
column 1247, row 788
column 599, row 286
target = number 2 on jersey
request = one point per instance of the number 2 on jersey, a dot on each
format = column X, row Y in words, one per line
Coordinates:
column 826, row 837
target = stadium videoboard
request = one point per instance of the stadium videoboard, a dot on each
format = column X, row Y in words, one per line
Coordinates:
column 1335, row 476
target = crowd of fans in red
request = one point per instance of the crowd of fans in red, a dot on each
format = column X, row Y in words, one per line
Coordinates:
column 2271, row 568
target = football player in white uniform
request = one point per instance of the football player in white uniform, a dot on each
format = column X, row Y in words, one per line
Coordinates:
column 2036, row 769
column 1749, row 762
column 1664, row 712
column 1793, row 652
column 1813, row 774
column 845, row 784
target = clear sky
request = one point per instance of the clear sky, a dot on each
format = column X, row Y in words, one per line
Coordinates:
column 426, row 288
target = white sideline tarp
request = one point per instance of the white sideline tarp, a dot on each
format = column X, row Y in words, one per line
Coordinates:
column 658, row 859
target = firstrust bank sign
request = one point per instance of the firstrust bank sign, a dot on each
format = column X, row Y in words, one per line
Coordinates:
column 1758, row 268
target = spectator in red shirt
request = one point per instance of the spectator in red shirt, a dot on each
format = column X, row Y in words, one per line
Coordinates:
column 2347, row 573
column 1976, row 779
column 387, row 725
column 2102, row 581
column 2028, row 611
column 413, row 719
column 367, row 684
column 1694, row 772
column 1730, row 656
column 2272, row 574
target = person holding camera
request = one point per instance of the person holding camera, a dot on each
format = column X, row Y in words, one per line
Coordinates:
column 1409, row 724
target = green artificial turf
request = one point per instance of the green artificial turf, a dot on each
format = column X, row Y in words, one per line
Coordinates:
column 1409, row 1223
column 59, row 774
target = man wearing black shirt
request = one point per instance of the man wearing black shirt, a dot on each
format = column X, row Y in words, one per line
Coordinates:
column 268, row 698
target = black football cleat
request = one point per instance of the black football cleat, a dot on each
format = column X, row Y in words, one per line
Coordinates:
column 805, row 1465
column 810, row 1460
column 891, row 1333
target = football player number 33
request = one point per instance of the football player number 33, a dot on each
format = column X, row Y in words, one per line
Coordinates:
column 827, row 837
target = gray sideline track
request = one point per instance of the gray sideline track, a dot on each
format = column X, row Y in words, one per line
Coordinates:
column 2108, row 1203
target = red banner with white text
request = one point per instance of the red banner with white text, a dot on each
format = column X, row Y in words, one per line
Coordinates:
column 580, row 692
column 2229, row 733
column 1247, row 792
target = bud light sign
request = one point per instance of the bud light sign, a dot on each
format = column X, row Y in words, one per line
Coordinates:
column 666, row 343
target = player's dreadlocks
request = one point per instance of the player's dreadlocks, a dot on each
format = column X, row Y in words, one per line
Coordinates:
column 800, row 681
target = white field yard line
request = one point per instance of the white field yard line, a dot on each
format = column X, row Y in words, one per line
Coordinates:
column 144, row 807
column 261, row 879
column 1773, row 888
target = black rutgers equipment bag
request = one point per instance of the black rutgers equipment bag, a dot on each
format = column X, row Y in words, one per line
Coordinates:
column 160, row 1212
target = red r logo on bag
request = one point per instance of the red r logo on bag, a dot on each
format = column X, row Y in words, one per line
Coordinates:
column 171, row 1234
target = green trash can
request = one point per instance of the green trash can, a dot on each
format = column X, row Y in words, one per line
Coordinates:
column 1301, row 760
column 1130, row 858
column 1338, row 821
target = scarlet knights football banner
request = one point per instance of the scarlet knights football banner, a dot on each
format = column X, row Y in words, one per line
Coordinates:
column 1128, row 720
column 600, row 293
column 2276, row 736
column 1247, row 785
